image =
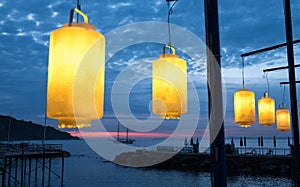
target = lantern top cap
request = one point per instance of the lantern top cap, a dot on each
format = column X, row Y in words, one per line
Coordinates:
column 168, row 56
column 82, row 25
column 244, row 89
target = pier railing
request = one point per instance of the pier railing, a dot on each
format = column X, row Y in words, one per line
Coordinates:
column 263, row 151
column 253, row 151
column 11, row 149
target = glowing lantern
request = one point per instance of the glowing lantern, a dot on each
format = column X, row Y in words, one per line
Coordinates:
column 74, row 46
column 244, row 107
column 283, row 119
column 169, row 86
column 266, row 110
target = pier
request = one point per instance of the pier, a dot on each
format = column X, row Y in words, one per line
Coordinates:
column 24, row 163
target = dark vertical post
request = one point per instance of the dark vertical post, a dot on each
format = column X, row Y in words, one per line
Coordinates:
column 293, row 93
column 9, row 170
column 25, row 167
column 22, row 165
column 217, row 144
column 49, row 169
column 3, row 173
column 62, row 168
column 43, row 167
column 16, row 168
column 29, row 171
column 36, row 169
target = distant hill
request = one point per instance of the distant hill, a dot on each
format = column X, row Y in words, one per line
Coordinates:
column 26, row 130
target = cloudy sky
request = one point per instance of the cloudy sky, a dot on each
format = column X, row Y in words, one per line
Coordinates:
column 245, row 26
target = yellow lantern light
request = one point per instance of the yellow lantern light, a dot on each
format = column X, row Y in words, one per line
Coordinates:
column 283, row 119
column 266, row 110
column 71, row 46
column 244, row 107
column 169, row 86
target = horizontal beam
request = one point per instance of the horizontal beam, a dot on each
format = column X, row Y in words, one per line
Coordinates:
column 289, row 82
column 267, row 49
column 279, row 68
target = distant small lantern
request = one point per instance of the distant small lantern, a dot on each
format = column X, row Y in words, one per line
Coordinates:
column 70, row 46
column 244, row 107
column 266, row 110
column 169, row 85
column 283, row 119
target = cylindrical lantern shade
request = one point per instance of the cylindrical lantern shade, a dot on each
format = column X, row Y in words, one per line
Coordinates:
column 266, row 110
column 75, row 46
column 169, row 86
column 244, row 107
column 283, row 119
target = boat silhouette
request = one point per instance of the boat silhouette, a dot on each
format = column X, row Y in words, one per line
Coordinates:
column 126, row 140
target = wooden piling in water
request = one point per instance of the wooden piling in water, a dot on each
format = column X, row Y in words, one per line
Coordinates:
column 36, row 168
column 29, row 171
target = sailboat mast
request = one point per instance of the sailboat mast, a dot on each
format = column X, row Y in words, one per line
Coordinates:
column 118, row 133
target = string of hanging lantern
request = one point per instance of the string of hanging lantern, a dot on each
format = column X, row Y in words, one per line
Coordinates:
column 169, row 80
column 244, row 108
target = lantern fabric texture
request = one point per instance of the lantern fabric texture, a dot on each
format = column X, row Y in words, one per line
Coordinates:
column 169, row 86
column 75, row 46
column 283, row 119
column 266, row 110
column 244, row 107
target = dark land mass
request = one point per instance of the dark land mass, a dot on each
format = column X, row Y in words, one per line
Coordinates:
column 26, row 130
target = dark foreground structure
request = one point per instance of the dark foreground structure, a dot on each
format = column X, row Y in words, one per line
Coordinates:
column 260, row 163
column 22, row 163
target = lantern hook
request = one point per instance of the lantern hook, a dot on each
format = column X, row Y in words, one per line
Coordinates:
column 171, row 48
column 85, row 18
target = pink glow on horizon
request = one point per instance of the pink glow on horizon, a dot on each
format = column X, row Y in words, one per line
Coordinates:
column 123, row 134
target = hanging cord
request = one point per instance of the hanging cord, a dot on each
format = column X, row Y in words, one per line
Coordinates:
column 267, row 82
column 79, row 8
column 170, row 12
column 243, row 72
column 283, row 98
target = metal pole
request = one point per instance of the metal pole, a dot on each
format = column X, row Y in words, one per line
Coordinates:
column 216, row 123
column 279, row 68
column 289, row 82
column 293, row 93
column 268, row 49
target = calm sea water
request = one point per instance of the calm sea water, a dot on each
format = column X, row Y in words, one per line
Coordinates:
column 86, row 168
